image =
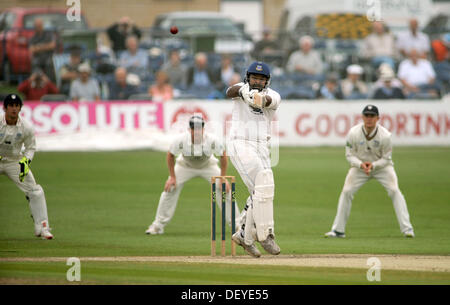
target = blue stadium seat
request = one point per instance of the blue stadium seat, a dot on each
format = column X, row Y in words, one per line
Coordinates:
column 214, row 60
column 347, row 45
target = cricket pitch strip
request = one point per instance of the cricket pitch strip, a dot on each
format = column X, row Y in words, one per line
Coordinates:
column 429, row 263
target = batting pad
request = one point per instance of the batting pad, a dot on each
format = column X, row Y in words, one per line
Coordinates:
column 263, row 204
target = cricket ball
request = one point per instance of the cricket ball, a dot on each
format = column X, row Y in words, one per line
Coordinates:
column 174, row 30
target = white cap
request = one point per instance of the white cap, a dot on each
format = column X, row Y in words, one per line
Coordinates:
column 84, row 67
column 386, row 75
column 355, row 69
column 386, row 72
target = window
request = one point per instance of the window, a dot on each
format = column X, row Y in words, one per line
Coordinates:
column 202, row 25
column 7, row 21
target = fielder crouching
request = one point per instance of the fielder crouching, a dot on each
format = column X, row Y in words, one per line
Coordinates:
column 15, row 134
column 196, row 149
column 254, row 105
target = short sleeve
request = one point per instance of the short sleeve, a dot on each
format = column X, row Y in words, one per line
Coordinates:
column 176, row 146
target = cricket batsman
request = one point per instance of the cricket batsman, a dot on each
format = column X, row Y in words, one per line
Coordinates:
column 17, row 147
column 369, row 151
column 196, row 149
column 254, row 105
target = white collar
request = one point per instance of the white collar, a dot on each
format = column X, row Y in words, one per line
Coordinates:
column 373, row 131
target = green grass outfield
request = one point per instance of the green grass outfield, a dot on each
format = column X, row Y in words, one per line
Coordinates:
column 101, row 203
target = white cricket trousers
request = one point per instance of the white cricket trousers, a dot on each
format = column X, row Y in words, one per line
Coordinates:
column 33, row 192
column 357, row 178
column 249, row 158
column 168, row 200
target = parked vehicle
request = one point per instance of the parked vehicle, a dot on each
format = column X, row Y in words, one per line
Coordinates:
column 17, row 28
column 204, row 31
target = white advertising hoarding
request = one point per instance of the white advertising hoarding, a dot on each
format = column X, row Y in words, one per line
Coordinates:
column 146, row 125
column 327, row 123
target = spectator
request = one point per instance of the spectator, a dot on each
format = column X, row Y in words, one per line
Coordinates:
column 305, row 61
column 69, row 71
column 42, row 46
column 352, row 87
column 234, row 79
column 103, row 61
column 386, row 90
column 85, row 88
column 120, row 31
column 380, row 46
column 331, row 89
column 413, row 39
column 226, row 71
column 265, row 46
column 441, row 64
column 386, row 69
column 441, row 47
column 222, row 94
column 418, row 77
column 134, row 59
column 161, row 91
column 120, row 89
column 175, row 70
column 37, row 85
column 200, row 75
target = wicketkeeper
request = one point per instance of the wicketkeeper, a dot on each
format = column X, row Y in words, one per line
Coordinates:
column 17, row 147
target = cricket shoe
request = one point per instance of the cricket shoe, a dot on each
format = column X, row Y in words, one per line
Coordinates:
column 409, row 234
column 239, row 240
column 154, row 230
column 270, row 245
column 335, row 234
column 42, row 230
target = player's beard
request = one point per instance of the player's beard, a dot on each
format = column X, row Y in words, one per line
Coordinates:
column 257, row 87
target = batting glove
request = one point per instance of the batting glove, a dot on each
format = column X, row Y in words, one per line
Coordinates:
column 24, row 168
column 259, row 100
column 244, row 92
column 252, row 97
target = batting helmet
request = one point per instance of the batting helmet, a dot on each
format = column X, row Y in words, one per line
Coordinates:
column 12, row 99
column 258, row 67
column 195, row 121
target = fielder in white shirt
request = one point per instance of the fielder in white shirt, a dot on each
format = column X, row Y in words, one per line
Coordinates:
column 254, row 105
column 369, row 152
column 17, row 147
column 196, row 150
